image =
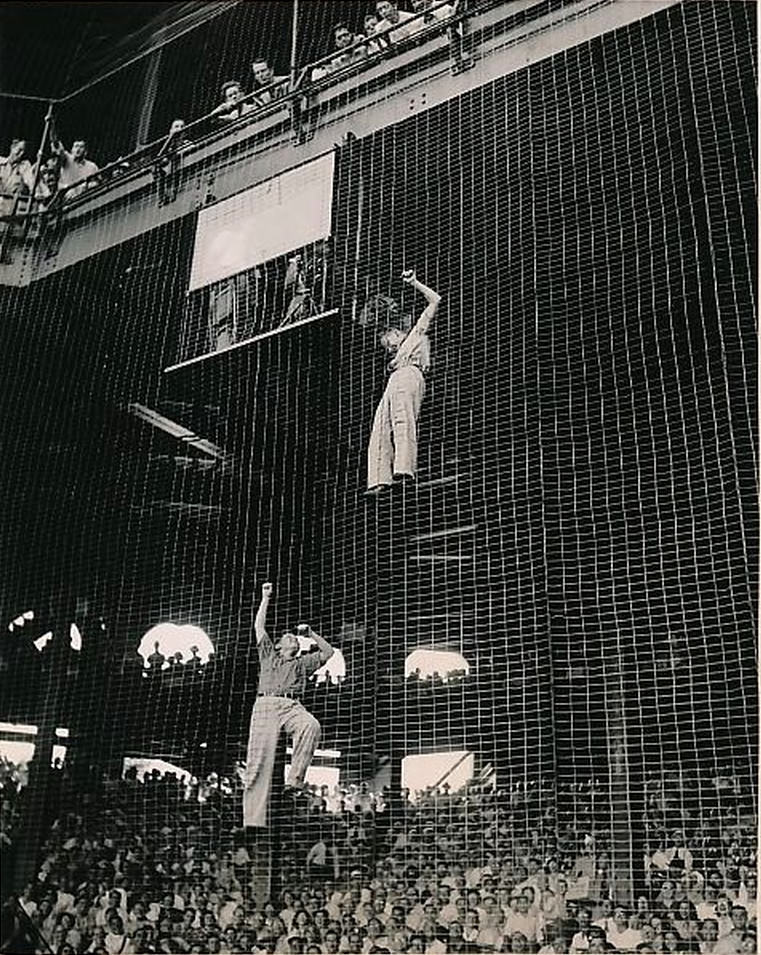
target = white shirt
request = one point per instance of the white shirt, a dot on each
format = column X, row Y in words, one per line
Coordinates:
column 580, row 942
column 115, row 944
column 396, row 31
column 74, row 171
column 525, row 924
column 627, row 939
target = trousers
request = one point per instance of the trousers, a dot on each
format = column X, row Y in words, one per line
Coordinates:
column 393, row 441
column 270, row 715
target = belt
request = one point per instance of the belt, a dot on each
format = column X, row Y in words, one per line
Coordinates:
column 288, row 695
column 390, row 371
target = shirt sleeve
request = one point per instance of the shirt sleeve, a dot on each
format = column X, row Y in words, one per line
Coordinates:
column 310, row 663
column 266, row 647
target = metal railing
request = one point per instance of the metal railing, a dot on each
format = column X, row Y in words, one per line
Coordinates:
column 162, row 155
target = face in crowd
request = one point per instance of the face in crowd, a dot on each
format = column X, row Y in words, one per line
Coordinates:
column 387, row 10
column 263, row 72
column 343, row 37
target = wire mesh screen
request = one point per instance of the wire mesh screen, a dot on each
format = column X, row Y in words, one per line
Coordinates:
column 538, row 724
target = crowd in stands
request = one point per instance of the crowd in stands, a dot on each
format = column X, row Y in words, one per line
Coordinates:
column 13, row 778
column 158, row 866
column 65, row 174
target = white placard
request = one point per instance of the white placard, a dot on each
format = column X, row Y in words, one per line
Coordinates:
column 263, row 222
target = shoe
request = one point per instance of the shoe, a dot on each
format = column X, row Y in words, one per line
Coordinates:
column 377, row 490
column 402, row 477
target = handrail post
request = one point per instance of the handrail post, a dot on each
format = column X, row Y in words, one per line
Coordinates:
column 295, row 98
column 461, row 59
column 38, row 164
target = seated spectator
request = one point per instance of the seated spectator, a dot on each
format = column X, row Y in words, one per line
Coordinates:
column 267, row 86
column 732, row 941
column 620, row 935
column 557, row 943
column 230, row 109
column 349, row 53
column 394, row 23
column 521, row 921
column 517, row 944
column 115, row 939
column 580, row 939
column 16, row 176
column 76, row 170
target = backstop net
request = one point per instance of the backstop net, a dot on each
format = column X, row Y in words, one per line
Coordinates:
column 543, row 697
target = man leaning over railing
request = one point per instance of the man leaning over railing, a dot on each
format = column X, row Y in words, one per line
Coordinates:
column 77, row 172
column 394, row 23
column 267, row 86
column 232, row 106
column 350, row 49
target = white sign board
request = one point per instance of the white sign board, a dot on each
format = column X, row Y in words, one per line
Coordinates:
column 263, row 222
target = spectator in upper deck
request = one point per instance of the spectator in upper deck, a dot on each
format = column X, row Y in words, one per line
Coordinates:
column 47, row 187
column 232, row 107
column 433, row 11
column 350, row 48
column 176, row 137
column 394, row 23
column 76, row 170
column 375, row 43
column 267, row 86
column 16, row 175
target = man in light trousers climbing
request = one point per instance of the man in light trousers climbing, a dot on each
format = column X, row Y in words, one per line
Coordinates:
column 283, row 676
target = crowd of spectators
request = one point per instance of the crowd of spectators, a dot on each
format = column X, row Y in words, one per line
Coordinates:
column 157, row 865
column 64, row 174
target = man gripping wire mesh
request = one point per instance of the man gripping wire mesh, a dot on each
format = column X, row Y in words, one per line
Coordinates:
column 392, row 450
column 283, row 676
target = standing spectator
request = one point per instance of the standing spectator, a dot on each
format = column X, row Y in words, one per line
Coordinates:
column 394, row 23
column 267, row 86
column 731, row 941
column 16, row 176
column 77, row 171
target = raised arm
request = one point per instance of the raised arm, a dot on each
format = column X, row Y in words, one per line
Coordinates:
column 426, row 316
column 56, row 145
column 261, row 613
column 326, row 651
